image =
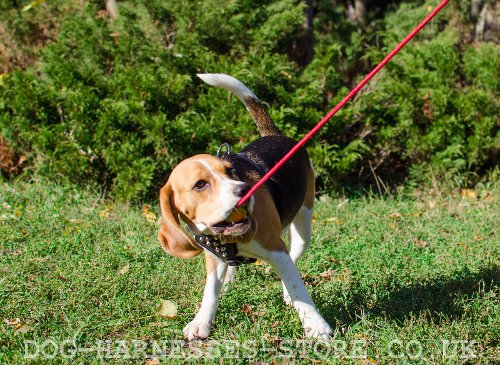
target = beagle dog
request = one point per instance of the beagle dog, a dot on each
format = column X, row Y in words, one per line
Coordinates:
column 202, row 192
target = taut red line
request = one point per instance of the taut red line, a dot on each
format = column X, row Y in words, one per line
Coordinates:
column 344, row 101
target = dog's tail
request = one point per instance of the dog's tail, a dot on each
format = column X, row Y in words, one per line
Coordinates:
column 254, row 106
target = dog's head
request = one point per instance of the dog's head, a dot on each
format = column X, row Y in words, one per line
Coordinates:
column 203, row 191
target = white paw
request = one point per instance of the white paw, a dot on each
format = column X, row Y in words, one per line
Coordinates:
column 316, row 327
column 197, row 329
column 287, row 299
column 286, row 296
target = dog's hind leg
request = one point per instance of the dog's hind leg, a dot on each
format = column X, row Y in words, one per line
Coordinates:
column 300, row 229
column 300, row 239
column 314, row 324
column 300, row 233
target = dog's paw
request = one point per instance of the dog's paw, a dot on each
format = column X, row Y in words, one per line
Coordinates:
column 286, row 297
column 317, row 328
column 197, row 329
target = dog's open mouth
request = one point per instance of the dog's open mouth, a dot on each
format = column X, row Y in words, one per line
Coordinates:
column 237, row 223
column 231, row 228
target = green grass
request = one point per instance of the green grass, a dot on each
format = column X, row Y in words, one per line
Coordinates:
column 413, row 267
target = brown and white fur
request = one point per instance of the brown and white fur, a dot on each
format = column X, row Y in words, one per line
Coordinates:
column 203, row 190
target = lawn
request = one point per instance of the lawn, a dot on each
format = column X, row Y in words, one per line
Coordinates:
column 407, row 278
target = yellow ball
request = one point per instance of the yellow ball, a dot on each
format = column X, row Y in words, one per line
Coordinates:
column 238, row 215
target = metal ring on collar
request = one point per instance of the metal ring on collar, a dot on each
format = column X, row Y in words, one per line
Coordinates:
column 228, row 150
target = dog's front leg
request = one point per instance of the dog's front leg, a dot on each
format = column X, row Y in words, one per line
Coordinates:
column 199, row 327
column 314, row 324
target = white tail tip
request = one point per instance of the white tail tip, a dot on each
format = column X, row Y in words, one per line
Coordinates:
column 229, row 83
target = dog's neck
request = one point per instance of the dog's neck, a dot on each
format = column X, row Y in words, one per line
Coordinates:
column 226, row 252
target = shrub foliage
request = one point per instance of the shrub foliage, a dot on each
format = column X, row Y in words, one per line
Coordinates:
column 117, row 101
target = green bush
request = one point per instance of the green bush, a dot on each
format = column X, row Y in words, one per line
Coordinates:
column 117, row 102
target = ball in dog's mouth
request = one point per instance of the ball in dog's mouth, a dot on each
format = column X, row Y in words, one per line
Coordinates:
column 237, row 223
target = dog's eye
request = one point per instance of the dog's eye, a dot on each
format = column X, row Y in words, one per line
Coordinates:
column 200, row 185
column 230, row 171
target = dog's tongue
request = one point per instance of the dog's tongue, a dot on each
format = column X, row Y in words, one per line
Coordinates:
column 237, row 215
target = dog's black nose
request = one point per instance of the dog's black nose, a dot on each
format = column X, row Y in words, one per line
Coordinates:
column 241, row 190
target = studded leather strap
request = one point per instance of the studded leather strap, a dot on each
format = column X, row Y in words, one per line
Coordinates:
column 227, row 252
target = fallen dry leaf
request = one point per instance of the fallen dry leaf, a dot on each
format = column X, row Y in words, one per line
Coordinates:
column 367, row 361
column 153, row 361
column 102, row 14
column 420, row 243
column 150, row 217
column 31, row 5
column 17, row 325
column 468, row 193
column 12, row 322
column 362, row 336
column 416, row 213
column 488, row 196
column 327, row 274
column 158, row 324
column 465, row 246
column 24, row 329
column 148, row 214
column 18, row 211
column 246, row 308
column 314, row 280
column 342, row 203
column 167, row 309
column 345, row 276
column 272, row 339
column 42, row 259
column 334, row 260
column 105, row 213
column 13, row 253
column 395, row 215
column 124, row 269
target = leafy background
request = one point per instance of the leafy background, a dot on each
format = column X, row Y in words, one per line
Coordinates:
column 115, row 102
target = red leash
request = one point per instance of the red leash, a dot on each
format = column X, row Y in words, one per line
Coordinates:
column 349, row 96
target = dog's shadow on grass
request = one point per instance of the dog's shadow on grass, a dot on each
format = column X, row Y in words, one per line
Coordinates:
column 440, row 298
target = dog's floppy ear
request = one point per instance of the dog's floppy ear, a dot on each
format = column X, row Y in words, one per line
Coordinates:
column 173, row 239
